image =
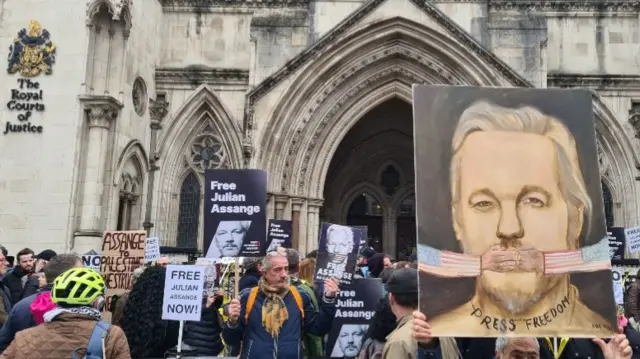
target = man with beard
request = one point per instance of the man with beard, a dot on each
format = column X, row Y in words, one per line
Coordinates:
column 20, row 280
column 339, row 243
column 228, row 239
column 270, row 320
column 519, row 207
column 349, row 341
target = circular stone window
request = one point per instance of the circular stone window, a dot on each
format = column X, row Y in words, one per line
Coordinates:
column 139, row 96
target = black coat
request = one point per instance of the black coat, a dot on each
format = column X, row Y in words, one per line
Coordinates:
column 205, row 336
column 13, row 281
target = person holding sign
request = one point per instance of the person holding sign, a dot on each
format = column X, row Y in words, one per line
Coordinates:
column 270, row 320
column 74, row 327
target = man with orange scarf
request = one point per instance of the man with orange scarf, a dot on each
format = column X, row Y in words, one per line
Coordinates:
column 270, row 320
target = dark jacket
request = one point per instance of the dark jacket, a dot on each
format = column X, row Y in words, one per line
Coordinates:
column 205, row 336
column 257, row 343
column 248, row 280
column 631, row 301
column 20, row 318
column 5, row 303
column 13, row 281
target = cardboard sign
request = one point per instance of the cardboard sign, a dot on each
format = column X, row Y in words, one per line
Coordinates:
column 183, row 293
column 152, row 250
column 122, row 253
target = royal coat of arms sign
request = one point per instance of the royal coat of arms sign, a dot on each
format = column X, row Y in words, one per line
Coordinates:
column 32, row 52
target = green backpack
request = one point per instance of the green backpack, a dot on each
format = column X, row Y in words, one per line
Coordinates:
column 313, row 345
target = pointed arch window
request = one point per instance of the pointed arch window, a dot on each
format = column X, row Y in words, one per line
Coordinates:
column 128, row 201
column 189, row 212
column 608, row 205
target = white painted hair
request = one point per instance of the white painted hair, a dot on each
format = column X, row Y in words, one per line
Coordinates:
column 484, row 116
column 502, row 342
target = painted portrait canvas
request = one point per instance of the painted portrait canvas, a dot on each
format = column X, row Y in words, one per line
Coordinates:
column 511, row 232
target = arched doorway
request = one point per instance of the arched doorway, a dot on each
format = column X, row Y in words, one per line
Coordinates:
column 370, row 178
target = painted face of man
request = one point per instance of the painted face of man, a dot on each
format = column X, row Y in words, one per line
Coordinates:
column 510, row 195
column 350, row 340
column 229, row 238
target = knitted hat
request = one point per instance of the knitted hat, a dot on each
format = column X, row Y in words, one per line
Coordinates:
column 47, row 254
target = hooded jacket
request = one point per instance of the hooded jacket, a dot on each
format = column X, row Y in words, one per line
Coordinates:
column 20, row 318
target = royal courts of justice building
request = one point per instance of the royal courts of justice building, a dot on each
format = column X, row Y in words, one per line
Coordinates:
column 144, row 95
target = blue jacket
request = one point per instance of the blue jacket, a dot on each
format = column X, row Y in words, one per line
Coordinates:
column 258, row 344
column 20, row 318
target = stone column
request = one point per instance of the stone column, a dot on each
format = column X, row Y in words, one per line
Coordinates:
column 313, row 223
column 296, row 206
column 158, row 110
column 281, row 204
column 271, row 209
column 389, row 231
column 101, row 112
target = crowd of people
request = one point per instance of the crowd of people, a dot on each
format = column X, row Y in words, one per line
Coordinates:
column 51, row 308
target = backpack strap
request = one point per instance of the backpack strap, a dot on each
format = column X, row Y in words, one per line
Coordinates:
column 250, row 302
column 100, row 331
column 298, row 299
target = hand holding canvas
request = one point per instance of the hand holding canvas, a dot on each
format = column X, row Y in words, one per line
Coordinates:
column 617, row 348
column 421, row 329
column 331, row 288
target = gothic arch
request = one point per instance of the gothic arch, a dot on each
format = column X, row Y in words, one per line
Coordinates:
column 376, row 62
column 118, row 9
column 129, row 182
column 350, row 171
column 363, row 187
column 203, row 107
column 202, row 119
column 403, row 193
column 623, row 163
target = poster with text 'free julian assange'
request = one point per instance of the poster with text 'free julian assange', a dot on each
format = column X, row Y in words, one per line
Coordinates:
column 235, row 213
column 355, row 307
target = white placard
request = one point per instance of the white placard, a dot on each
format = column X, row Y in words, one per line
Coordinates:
column 91, row 261
column 618, row 287
column 183, row 293
column 152, row 250
column 633, row 239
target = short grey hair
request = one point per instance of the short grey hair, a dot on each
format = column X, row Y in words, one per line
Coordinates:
column 483, row 116
column 266, row 261
column 502, row 342
column 137, row 273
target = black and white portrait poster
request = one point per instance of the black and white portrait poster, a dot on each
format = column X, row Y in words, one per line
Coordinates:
column 235, row 217
column 279, row 234
column 338, row 252
column 354, row 309
column 616, row 242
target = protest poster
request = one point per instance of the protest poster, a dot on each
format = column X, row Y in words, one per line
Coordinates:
column 122, row 253
column 91, row 261
column 235, row 216
column 616, row 242
column 511, row 230
column 210, row 275
column 183, row 293
column 152, row 250
column 632, row 237
column 338, row 252
column 279, row 234
column 355, row 307
column 618, row 285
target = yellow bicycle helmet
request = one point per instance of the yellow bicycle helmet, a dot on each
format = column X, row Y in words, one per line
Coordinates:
column 77, row 286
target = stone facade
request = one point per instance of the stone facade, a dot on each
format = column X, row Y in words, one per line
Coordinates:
column 147, row 94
